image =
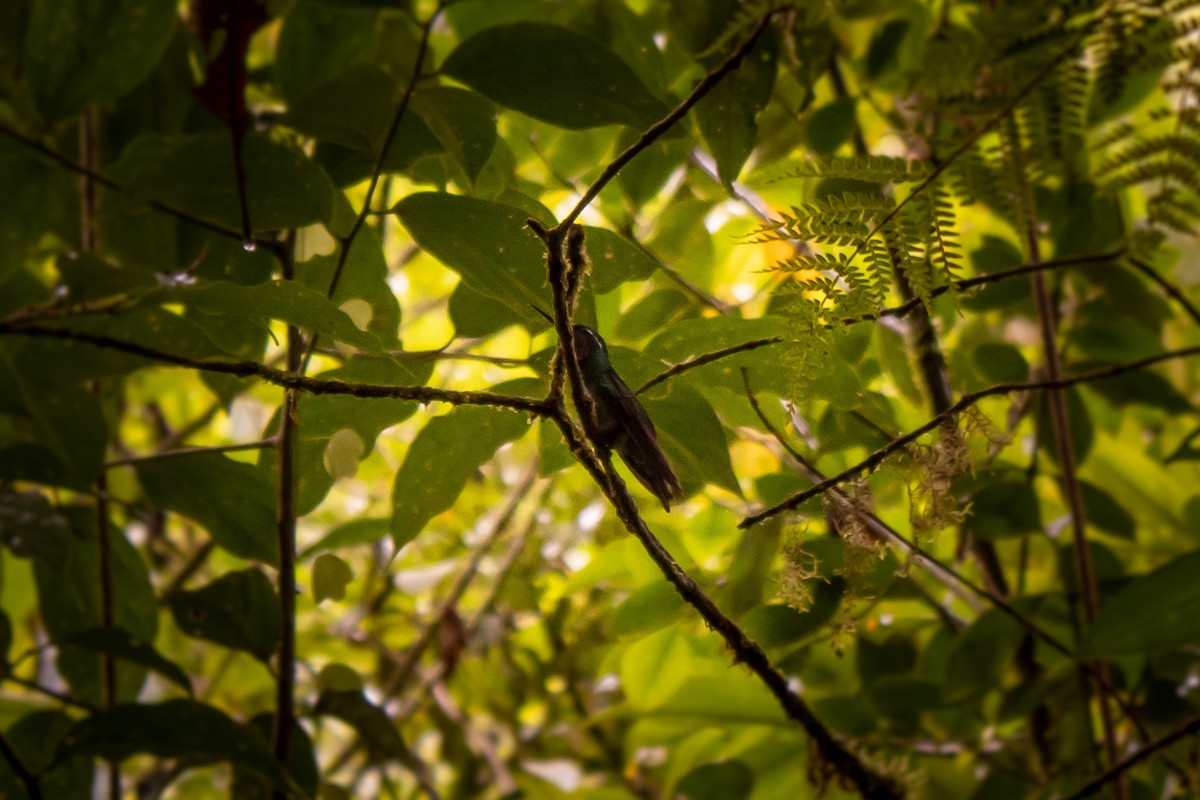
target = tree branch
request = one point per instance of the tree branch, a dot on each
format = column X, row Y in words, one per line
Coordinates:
column 1114, row 772
column 27, row 778
column 651, row 134
column 253, row 369
column 964, row 402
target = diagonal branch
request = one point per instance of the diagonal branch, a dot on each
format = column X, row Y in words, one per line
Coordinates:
column 651, row 134
column 964, row 402
column 1114, row 772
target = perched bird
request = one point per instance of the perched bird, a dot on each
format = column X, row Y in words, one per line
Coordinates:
column 621, row 423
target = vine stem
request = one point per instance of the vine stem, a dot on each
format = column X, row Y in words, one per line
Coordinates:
column 1061, row 422
column 285, row 522
column 347, row 242
column 966, row 401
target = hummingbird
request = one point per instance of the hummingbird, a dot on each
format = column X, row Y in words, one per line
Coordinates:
column 620, row 422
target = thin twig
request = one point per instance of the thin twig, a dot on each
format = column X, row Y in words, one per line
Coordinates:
column 651, row 134
column 1171, row 289
column 964, row 402
column 1114, row 772
column 32, row 788
column 347, row 241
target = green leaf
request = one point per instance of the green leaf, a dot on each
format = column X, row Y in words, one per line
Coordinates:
column 1152, row 612
column 692, row 437
column 372, row 724
column 31, row 527
column 323, row 416
column 487, row 244
column 319, row 42
column 35, row 738
column 1001, row 363
column 463, row 122
column 81, row 51
column 615, row 260
column 367, row 530
column 1106, row 513
column 654, row 605
column 238, row 610
column 831, row 125
column 686, row 339
column 330, row 578
column 353, row 110
column 289, row 301
column 178, row 729
column 68, row 596
column 122, row 644
column 724, row 780
column 1005, row 509
column 981, row 652
column 443, row 458
column 301, row 762
column 728, row 115
column 555, row 75
column 233, row 500
column 195, row 173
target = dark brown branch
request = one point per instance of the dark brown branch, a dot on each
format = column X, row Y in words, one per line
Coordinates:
column 285, row 526
column 1114, row 772
column 895, row 311
column 32, row 788
column 253, row 369
column 651, row 134
column 964, row 402
column 830, row 756
column 1171, row 289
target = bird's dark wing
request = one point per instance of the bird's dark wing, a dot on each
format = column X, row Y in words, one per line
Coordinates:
column 637, row 443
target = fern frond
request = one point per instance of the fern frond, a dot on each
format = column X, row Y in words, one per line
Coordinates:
column 875, row 169
column 1174, row 144
column 821, row 262
column 843, row 220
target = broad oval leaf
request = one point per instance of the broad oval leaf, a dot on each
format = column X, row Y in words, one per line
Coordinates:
column 195, row 173
column 233, row 500
column 445, row 455
column 238, row 610
column 81, row 51
column 1153, row 612
column 555, row 75
column 119, row 643
column 180, row 729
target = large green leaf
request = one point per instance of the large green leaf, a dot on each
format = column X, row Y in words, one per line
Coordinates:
column 290, row 301
column 464, row 123
column 1153, row 612
column 692, row 437
column 445, row 455
column 35, row 739
column 31, row 527
column 192, row 732
column 195, row 173
column 353, row 110
column 728, row 115
column 80, row 51
column 69, row 602
column 233, row 500
column 238, row 610
column 122, row 644
column 555, row 75
column 319, row 42
column 487, row 244
column 329, row 419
